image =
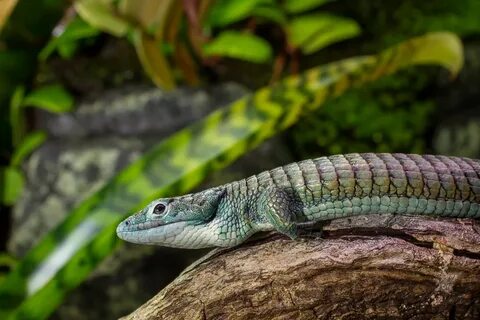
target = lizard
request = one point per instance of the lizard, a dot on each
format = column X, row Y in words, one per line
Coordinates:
column 291, row 197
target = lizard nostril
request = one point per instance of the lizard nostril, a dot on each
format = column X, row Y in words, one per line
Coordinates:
column 127, row 223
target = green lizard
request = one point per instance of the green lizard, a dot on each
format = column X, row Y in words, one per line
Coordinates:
column 288, row 198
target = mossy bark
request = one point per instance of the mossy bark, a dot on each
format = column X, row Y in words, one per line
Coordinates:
column 362, row 268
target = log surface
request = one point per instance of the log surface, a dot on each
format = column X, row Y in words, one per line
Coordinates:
column 377, row 266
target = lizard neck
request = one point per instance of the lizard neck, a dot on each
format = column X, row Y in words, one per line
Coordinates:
column 237, row 219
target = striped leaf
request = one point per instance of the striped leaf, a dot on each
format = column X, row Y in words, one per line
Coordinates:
column 66, row 256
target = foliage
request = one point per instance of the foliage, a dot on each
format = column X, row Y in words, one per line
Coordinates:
column 20, row 43
column 41, row 280
column 239, row 45
column 156, row 25
column 414, row 17
column 51, row 98
column 12, row 184
column 16, row 67
column 100, row 14
column 13, row 180
column 32, row 141
column 308, row 32
column 400, row 103
column 294, row 6
column 66, row 41
column 345, row 124
column 153, row 61
column 6, row 262
column 225, row 12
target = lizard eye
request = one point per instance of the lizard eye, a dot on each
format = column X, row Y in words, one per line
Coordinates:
column 159, row 208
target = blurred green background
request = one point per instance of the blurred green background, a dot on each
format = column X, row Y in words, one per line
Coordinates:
column 107, row 104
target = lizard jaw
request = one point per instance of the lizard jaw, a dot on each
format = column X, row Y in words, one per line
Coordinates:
column 155, row 234
column 182, row 234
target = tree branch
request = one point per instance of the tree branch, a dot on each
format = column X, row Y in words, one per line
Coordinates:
column 366, row 267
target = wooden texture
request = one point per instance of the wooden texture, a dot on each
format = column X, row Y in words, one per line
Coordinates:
column 387, row 267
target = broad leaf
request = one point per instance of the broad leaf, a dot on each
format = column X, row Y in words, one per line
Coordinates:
column 154, row 61
column 444, row 49
column 150, row 15
column 53, row 98
column 152, row 22
column 101, row 14
column 244, row 46
column 12, row 185
column 313, row 32
column 29, row 143
column 17, row 121
column 65, row 257
column 66, row 42
column 225, row 12
column 297, row 6
column 270, row 13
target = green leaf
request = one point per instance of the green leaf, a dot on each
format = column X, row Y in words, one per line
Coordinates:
column 443, row 49
column 53, row 98
column 239, row 45
column 17, row 121
column 12, row 180
column 153, row 60
column 101, row 15
column 313, row 32
column 182, row 161
column 270, row 13
column 298, row 6
column 66, row 42
column 7, row 262
column 29, row 143
column 225, row 12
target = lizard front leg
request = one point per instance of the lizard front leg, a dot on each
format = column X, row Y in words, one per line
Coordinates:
column 276, row 204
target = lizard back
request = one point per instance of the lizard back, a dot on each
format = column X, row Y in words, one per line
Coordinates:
column 352, row 184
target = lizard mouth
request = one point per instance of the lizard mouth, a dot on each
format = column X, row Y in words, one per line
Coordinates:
column 152, row 232
column 129, row 226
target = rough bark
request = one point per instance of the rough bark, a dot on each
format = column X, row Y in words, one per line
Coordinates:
column 380, row 267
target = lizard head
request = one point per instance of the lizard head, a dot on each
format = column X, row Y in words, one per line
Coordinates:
column 176, row 222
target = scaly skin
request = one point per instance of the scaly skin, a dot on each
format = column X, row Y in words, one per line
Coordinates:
column 289, row 197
